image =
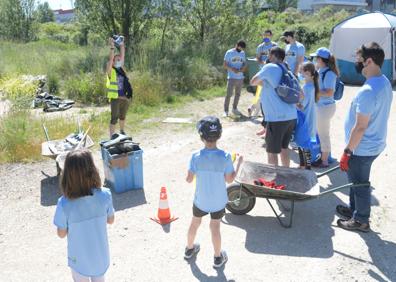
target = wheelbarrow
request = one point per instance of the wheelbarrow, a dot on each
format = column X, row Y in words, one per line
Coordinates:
column 300, row 185
column 58, row 149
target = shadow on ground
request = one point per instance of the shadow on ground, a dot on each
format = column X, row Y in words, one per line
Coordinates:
column 383, row 256
column 310, row 235
column 196, row 271
column 312, row 232
column 128, row 199
column 49, row 190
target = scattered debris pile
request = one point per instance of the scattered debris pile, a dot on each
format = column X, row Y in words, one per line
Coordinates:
column 49, row 102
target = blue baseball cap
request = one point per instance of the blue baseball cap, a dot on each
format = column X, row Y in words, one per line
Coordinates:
column 209, row 128
column 322, row 52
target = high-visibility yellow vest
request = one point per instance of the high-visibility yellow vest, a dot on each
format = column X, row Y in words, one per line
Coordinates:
column 112, row 85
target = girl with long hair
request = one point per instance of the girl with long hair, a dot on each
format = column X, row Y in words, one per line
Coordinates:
column 325, row 106
column 82, row 214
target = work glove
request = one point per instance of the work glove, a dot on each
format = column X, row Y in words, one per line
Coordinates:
column 345, row 159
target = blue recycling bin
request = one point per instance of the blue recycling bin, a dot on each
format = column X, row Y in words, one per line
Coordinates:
column 123, row 172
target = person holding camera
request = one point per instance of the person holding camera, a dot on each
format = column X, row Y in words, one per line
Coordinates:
column 119, row 90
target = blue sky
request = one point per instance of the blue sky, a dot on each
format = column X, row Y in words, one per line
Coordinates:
column 57, row 4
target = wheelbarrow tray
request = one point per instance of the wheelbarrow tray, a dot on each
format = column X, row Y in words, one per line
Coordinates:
column 57, row 150
column 301, row 184
column 54, row 148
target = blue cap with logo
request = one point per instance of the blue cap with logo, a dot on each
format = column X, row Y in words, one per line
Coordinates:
column 209, row 128
column 322, row 52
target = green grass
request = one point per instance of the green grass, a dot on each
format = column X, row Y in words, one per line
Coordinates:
column 22, row 135
column 46, row 56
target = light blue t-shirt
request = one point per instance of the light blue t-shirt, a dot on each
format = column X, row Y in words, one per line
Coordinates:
column 274, row 108
column 329, row 82
column 292, row 52
column 210, row 166
column 263, row 49
column 374, row 98
column 308, row 104
column 237, row 60
column 85, row 219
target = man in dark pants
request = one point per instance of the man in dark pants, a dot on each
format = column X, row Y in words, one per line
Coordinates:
column 365, row 135
column 280, row 116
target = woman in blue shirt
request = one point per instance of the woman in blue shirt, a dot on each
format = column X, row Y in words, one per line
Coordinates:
column 325, row 107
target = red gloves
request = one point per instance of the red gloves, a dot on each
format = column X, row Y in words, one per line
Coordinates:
column 345, row 159
column 269, row 184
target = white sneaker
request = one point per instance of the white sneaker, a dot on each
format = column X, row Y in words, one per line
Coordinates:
column 225, row 114
column 236, row 112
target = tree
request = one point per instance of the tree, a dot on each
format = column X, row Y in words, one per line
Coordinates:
column 208, row 17
column 131, row 18
column 16, row 19
column 44, row 14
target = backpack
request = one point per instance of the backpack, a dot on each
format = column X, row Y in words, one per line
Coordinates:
column 289, row 88
column 339, row 89
column 127, row 85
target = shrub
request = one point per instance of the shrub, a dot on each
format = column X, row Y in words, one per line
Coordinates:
column 88, row 88
column 17, row 88
column 53, row 83
column 148, row 89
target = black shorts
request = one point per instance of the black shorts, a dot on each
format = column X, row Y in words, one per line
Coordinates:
column 278, row 135
column 213, row 215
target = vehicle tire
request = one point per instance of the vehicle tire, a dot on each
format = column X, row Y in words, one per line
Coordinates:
column 246, row 202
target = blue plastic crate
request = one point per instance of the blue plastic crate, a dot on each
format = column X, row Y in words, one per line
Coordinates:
column 123, row 172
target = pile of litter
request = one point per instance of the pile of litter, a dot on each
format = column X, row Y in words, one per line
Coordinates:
column 49, row 102
column 120, row 144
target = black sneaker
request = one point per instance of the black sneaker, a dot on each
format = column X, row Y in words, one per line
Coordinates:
column 122, row 132
column 344, row 211
column 189, row 253
column 353, row 225
column 221, row 260
column 317, row 163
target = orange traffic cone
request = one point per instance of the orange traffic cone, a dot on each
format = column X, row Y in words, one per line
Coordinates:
column 164, row 215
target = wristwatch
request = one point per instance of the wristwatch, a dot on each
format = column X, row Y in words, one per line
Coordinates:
column 348, row 151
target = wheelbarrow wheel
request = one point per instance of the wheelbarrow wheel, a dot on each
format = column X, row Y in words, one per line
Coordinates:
column 240, row 199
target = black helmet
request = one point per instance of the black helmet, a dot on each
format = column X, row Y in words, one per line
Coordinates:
column 209, row 128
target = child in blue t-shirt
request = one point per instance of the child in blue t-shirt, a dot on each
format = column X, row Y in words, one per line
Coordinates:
column 212, row 168
column 307, row 107
column 82, row 214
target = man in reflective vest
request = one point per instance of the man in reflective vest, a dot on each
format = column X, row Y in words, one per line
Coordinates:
column 116, row 93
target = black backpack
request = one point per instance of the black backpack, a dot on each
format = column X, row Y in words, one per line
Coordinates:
column 339, row 89
column 289, row 87
column 127, row 85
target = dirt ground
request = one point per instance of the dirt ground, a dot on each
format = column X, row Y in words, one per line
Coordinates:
column 259, row 249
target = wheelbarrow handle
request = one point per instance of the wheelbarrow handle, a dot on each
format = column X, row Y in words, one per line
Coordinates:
column 46, row 132
column 349, row 185
column 318, row 175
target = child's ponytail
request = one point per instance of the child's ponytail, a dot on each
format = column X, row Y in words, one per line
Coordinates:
column 333, row 65
column 316, row 85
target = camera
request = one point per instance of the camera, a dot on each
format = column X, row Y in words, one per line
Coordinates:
column 118, row 40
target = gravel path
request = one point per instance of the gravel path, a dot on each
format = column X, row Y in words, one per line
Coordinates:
column 259, row 249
